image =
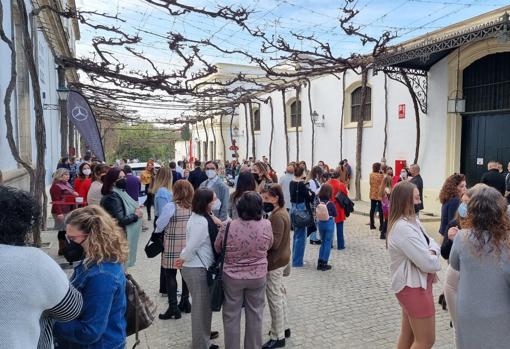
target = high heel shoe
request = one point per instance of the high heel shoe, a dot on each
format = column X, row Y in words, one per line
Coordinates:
column 185, row 307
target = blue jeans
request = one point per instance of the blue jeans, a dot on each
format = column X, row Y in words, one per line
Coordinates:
column 326, row 229
column 340, row 235
column 298, row 240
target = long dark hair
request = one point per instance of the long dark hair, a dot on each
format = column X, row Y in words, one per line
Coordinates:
column 449, row 189
column 109, row 180
column 201, row 199
column 245, row 182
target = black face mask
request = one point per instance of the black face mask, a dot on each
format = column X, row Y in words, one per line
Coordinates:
column 74, row 252
column 268, row 207
column 121, row 183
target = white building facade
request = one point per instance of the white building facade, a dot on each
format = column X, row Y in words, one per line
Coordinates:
column 52, row 37
column 465, row 65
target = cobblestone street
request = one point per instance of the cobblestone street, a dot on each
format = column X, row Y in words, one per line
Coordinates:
column 348, row 307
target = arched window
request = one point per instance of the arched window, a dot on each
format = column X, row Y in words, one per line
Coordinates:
column 295, row 114
column 256, row 120
column 356, row 105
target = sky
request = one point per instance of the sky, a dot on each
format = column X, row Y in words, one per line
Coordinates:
column 408, row 18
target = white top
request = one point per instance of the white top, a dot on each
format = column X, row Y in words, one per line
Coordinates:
column 410, row 255
column 180, row 170
column 198, row 243
column 285, row 183
column 94, row 195
column 314, row 187
column 31, row 282
column 164, row 218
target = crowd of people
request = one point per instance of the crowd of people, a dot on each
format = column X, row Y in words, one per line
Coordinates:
column 98, row 217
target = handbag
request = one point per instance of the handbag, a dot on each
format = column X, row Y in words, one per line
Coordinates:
column 215, row 276
column 154, row 246
column 140, row 309
column 301, row 218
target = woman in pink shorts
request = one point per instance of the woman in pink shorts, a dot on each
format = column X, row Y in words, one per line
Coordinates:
column 414, row 260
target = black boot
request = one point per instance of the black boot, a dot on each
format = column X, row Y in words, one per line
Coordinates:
column 274, row 343
column 326, row 266
column 185, row 306
column 170, row 313
column 320, row 264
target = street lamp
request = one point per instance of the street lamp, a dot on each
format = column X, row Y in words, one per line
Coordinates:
column 315, row 119
column 235, row 132
column 63, row 93
column 62, row 90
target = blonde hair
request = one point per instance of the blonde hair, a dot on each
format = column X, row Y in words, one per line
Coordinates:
column 59, row 174
column 401, row 204
column 183, row 193
column 106, row 241
column 162, row 180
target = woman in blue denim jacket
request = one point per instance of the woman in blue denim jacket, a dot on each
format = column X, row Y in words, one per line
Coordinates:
column 95, row 236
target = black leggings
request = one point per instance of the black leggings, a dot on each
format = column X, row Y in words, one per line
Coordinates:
column 149, row 201
column 171, row 286
column 376, row 205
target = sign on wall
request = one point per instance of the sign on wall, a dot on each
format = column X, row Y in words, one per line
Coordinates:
column 401, row 111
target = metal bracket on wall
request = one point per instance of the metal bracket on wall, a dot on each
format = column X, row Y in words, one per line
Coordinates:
column 419, row 83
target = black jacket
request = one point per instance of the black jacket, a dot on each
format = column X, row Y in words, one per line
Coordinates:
column 418, row 182
column 113, row 204
column 447, row 244
column 494, row 179
column 196, row 177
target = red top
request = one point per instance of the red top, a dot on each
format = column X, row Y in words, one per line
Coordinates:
column 58, row 191
column 82, row 186
column 338, row 186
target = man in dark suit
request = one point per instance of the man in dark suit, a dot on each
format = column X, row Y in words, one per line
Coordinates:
column 197, row 176
column 493, row 178
column 175, row 175
column 418, row 182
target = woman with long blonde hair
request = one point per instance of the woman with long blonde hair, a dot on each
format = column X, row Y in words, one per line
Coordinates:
column 414, row 261
column 161, row 189
column 261, row 174
column 95, row 237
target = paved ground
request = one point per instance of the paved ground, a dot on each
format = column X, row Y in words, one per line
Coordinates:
column 347, row 307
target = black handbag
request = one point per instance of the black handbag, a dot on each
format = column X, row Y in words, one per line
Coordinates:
column 154, row 246
column 215, row 277
column 301, row 218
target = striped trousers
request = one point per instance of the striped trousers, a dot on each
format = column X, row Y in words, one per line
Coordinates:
column 201, row 313
column 277, row 301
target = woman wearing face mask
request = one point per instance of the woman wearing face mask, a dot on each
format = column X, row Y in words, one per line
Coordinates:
column 213, row 182
column 196, row 257
column 60, row 188
column 278, row 257
column 94, row 195
column 123, row 208
column 244, row 271
column 82, row 182
column 100, row 279
column 262, row 178
column 452, row 275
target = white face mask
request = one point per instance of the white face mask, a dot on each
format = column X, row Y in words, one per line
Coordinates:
column 210, row 174
column 87, row 172
column 216, row 205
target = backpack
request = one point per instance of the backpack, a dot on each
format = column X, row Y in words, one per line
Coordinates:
column 321, row 212
column 344, row 202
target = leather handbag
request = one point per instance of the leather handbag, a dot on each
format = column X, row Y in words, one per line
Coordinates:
column 154, row 246
column 215, row 276
column 302, row 218
column 140, row 309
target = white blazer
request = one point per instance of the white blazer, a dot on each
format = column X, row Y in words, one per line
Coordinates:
column 410, row 257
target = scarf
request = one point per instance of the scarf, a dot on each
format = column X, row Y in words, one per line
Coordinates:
column 133, row 229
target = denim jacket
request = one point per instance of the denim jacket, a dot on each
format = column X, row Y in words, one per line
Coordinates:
column 102, row 324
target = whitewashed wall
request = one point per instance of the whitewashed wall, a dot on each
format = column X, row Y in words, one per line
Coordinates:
column 327, row 100
column 49, row 83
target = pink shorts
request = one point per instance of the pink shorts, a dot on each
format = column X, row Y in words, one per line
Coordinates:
column 417, row 302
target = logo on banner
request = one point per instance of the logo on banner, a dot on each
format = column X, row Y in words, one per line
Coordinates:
column 79, row 113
